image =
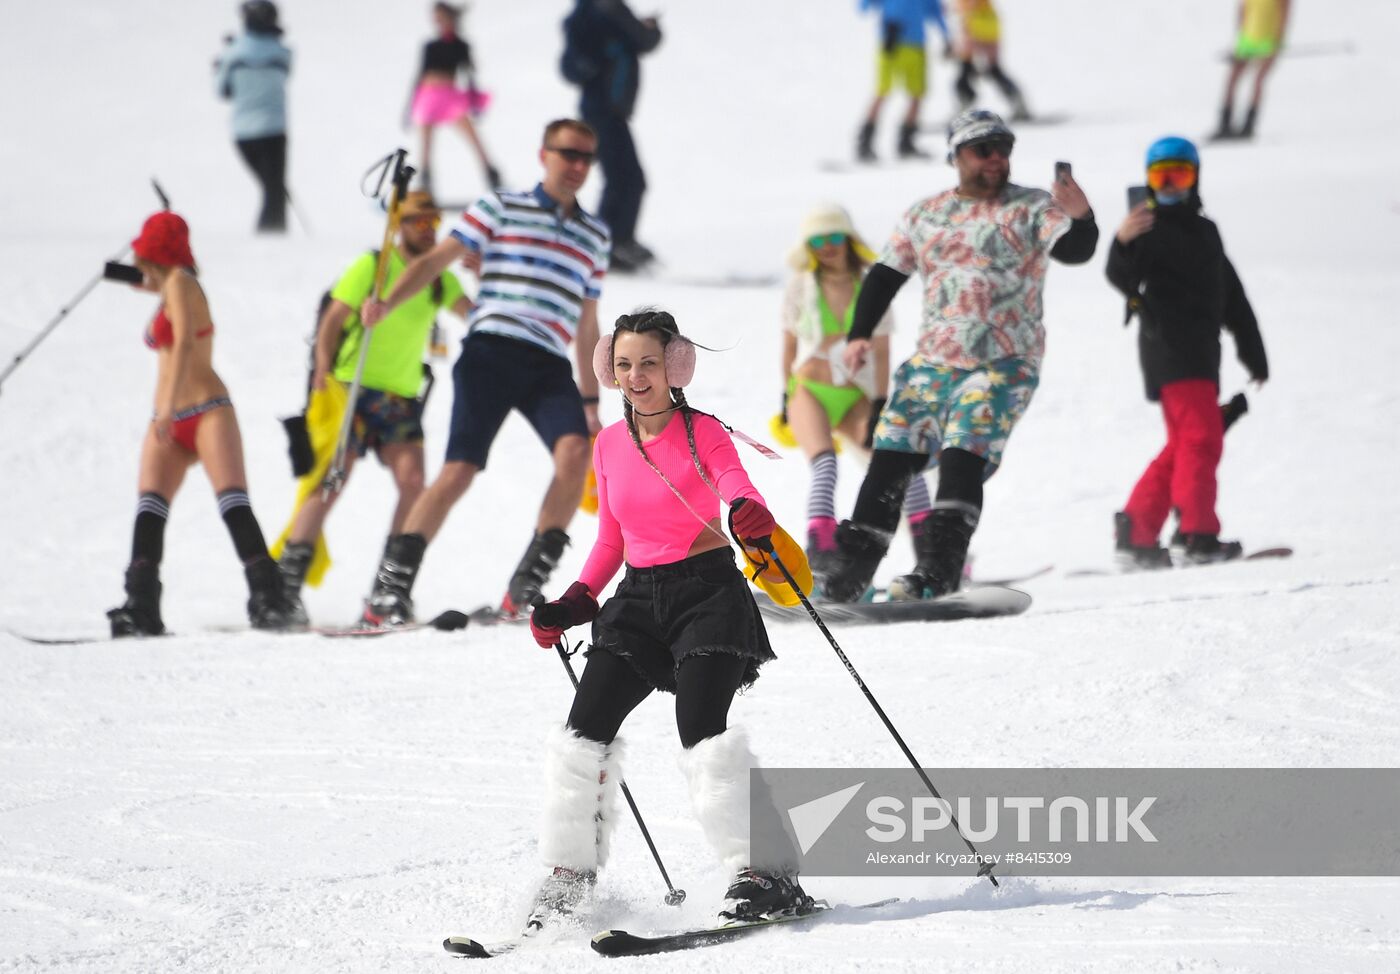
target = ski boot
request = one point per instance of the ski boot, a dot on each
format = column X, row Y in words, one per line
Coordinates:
column 1130, row 557
column 269, row 605
column 390, row 602
column 755, row 895
column 859, row 550
column 1207, row 549
column 534, row 570
column 1250, row 117
column 906, row 147
column 865, row 144
column 560, row 896
column 941, row 546
column 1224, row 129
column 140, row 614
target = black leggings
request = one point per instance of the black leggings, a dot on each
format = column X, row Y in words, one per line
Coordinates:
column 881, row 497
column 610, row 689
column 267, row 158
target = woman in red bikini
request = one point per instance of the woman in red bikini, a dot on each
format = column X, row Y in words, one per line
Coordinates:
column 193, row 422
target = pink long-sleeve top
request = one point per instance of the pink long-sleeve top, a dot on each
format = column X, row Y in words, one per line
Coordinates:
column 639, row 519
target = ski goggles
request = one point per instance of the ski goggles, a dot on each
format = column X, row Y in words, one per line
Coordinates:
column 990, row 147
column 1171, row 176
column 826, row 240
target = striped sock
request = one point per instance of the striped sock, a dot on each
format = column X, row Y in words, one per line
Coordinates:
column 821, row 492
column 917, row 502
column 242, row 525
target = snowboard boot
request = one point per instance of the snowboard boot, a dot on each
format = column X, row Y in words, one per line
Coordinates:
column 755, row 895
column 269, row 605
column 941, row 546
column 390, row 602
column 906, row 147
column 1130, row 557
column 526, row 585
column 859, row 550
column 582, row 779
column 865, row 144
column 140, row 614
column 1250, row 117
column 1207, row 549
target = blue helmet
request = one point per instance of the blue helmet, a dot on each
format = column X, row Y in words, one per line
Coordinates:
column 1173, row 148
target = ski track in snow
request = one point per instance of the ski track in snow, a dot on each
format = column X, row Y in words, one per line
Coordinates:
column 236, row 802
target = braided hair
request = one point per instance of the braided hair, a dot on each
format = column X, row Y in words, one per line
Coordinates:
column 663, row 326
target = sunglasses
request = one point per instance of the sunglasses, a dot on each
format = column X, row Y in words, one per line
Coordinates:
column 985, row 150
column 829, row 240
column 1179, row 176
column 574, row 155
column 430, row 219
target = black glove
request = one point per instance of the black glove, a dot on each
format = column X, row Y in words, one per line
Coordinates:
column 574, row 608
column 877, row 407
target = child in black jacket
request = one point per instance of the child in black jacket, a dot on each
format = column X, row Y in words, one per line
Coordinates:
column 1169, row 261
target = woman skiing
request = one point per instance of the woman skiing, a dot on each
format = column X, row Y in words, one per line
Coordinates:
column 682, row 620
column 819, row 395
column 193, row 422
column 436, row 98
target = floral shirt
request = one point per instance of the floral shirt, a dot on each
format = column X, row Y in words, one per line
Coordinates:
column 983, row 268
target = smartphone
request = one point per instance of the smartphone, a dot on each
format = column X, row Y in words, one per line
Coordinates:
column 1136, row 195
column 122, row 272
column 1063, row 169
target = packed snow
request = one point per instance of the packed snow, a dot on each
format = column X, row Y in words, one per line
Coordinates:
column 224, row 801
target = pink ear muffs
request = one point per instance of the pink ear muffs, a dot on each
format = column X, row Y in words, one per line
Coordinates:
column 680, row 362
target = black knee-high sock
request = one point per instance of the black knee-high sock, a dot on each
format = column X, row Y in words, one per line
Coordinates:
column 1008, row 87
column 148, row 538
column 242, row 525
column 960, row 476
column 882, row 492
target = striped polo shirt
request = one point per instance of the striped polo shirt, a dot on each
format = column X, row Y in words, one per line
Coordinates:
column 538, row 266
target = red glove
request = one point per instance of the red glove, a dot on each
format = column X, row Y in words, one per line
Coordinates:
column 750, row 520
column 575, row 607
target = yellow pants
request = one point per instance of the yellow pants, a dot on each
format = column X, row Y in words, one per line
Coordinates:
column 905, row 64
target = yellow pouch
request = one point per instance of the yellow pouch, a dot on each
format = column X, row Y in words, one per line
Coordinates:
column 781, row 431
column 768, row 577
column 589, row 503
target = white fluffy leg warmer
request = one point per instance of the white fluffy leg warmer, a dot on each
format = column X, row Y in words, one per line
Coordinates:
column 580, row 809
column 717, row 771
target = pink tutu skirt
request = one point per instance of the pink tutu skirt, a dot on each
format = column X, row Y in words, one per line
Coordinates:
column 434, row 104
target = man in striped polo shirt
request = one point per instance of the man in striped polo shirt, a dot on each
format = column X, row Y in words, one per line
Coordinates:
column 541, row 260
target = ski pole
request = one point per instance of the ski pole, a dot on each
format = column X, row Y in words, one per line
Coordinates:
column 401, row 174
column 674, row 897
column 766, row 545
column 296, row 211
column 74, row 301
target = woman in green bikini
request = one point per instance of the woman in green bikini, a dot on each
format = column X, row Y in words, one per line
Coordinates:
column 820, row 397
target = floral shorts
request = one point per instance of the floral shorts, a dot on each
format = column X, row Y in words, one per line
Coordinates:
column 935, row 407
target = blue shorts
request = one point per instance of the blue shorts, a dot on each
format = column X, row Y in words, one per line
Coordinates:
column 494, row 375
column 934, row 407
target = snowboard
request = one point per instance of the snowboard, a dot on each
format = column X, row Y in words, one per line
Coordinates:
column 1260, row 554
column 984, row 602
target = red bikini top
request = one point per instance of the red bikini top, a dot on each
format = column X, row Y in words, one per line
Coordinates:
column 161, row 334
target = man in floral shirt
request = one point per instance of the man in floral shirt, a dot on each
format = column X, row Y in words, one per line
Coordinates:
column 981, row 250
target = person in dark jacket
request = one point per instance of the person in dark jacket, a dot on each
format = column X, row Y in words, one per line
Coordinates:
column 604, row 44
column 1169, row 261
column 252, row 73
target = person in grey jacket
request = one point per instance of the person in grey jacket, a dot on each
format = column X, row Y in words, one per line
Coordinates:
column 252, row 73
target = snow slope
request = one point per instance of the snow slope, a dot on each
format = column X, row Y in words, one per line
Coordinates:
column 262, row 803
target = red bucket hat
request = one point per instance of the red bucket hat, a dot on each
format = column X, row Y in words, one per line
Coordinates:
column 164, row 239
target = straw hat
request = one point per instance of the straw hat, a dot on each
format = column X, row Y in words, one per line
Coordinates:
column 823, row 219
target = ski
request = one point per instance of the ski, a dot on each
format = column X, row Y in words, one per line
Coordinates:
column 982, row 602
column 620, row 943
column 1261, row 554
